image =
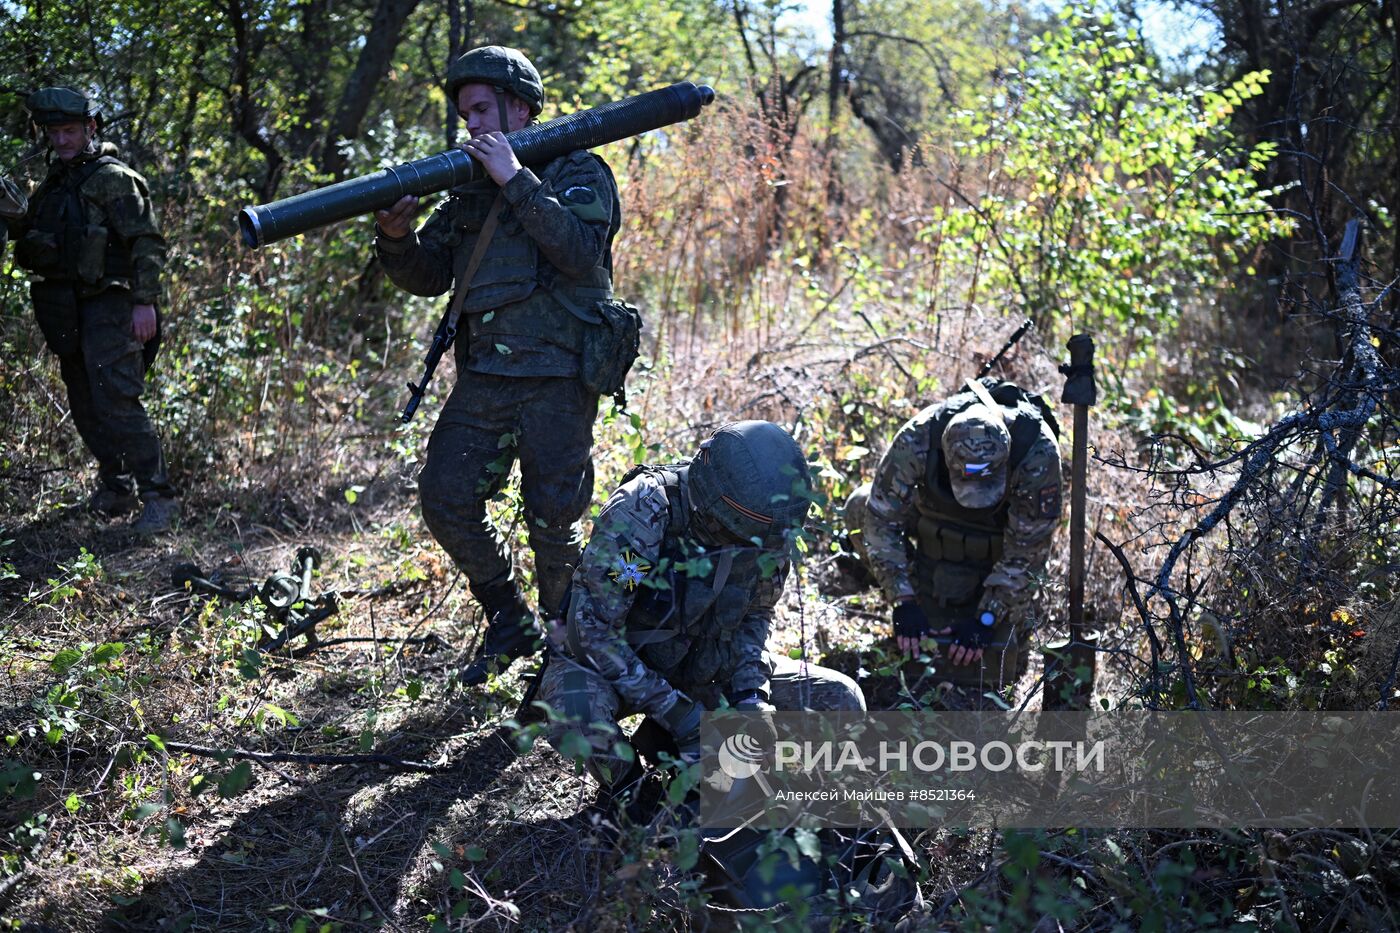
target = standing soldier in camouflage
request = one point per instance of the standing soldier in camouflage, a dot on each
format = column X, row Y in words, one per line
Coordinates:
column 540, row 250
column 671, row 605
column 957, row 526
column 91, row 240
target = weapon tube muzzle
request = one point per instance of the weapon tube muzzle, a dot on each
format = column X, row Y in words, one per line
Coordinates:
column 533, row 145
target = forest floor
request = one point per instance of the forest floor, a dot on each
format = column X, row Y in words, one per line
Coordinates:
column 111, row 672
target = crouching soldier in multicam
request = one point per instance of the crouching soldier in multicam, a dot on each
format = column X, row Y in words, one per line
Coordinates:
column 957, row 527
column 671, row 605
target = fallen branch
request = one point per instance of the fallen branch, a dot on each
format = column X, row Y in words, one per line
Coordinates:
column 386, row 761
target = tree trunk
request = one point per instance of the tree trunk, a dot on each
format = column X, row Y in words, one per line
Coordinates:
column 242, row 112
column 380, row 44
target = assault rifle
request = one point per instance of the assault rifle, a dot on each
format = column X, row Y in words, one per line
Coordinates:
column 442, row 342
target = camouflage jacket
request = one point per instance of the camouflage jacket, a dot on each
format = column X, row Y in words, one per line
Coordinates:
column 1032, row 510
column 554, row 235
column 656, row 614
column 115, row 197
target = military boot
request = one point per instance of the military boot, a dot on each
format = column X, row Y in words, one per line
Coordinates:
column 158, row 513
column 109, row 501
column 511, row 633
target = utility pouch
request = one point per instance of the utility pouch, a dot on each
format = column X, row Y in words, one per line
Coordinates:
column 88, row 247
column 40, row 251
column 611, row 342
column 610, row 347
column 56, row 310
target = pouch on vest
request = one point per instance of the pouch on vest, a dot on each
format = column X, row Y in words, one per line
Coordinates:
column 87, row 247
column 611, row 343
column 56, row 310
column 40, row 251
column 611, row 347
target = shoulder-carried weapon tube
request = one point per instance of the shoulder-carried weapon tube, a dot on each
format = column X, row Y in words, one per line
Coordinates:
column 533, row 145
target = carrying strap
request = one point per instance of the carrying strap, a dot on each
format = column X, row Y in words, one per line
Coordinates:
column 985, row 397
column 585, row 315
column 483, row 241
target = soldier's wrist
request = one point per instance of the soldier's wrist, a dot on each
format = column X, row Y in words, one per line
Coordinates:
column 521, row 185
column 383, row 238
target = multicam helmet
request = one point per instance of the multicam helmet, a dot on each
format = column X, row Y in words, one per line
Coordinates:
column 749, row 482
column 500, row 67
column 61, row 105
column 976, row 446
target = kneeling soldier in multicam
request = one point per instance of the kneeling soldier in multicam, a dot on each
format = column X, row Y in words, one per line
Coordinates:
column 671, row 605
column 957, row 527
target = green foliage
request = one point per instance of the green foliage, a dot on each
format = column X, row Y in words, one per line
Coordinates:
column 1110, row 201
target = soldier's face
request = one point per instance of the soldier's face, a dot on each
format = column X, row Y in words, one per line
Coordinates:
column 71, row 138
column 477, row 105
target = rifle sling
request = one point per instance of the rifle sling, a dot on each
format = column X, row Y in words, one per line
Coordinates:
column 985, row 398
column 483, row 241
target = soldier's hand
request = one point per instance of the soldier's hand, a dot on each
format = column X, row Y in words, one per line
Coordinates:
column 959, row 653
column 397, row 222
column 761, row 725
column 682, row 720
column 143, row 322
column 910, row 627
column 495, row 155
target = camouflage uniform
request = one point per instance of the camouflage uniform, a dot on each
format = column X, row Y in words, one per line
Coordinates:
column 518, row 395
column 957, row 561
column 655, row 617
column 91, row 239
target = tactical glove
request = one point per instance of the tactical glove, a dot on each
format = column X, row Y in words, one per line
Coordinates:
column 752, row 702
column 682, row 720
column 975, row 632
column 760, row 726
column 910, row 621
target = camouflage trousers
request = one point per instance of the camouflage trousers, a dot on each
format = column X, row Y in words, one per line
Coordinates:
column 587, row 704
column 105, row 379
column 488, row 423
column 948, row 593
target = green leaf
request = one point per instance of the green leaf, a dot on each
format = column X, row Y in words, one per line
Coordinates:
column 236, row 781
column 72, row 804
column 574, row 747
column 64, row 660
column 457, row 879
column 109, row 652
column 414, row 689
column 146, row 811
column 475, row 854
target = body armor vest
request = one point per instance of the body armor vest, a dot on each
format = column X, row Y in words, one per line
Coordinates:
column 544, row 303
column 948, row 531
column 684, row 624
column 61, row 244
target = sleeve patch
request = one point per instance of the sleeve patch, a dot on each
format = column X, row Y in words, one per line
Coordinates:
column 579, row 194
column 628, row 570
column 1050, row 501
column 585, row 204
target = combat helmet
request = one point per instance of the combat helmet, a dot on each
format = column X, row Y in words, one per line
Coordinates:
column 51, row 105
column 749, row 481
column 500, row 67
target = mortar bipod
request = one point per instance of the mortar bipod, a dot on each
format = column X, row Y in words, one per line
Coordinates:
column 287, row 598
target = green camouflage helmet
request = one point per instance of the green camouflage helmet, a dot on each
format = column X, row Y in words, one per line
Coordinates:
column 750, row 480
column 500, row 67
column 61, row 105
